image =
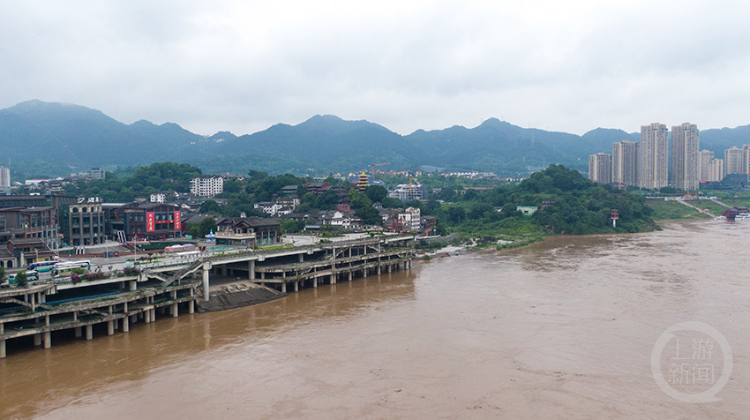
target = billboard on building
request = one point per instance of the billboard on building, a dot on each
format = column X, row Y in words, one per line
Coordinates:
column 150, row 222
column 177, row 221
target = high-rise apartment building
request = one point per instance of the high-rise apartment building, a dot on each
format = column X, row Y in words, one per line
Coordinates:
column 715, row 170
column 685, row 145
column 704, row 161
column 4, row 179
column 734, row 161
column 206, row 186
column 600, row 168
column 653, row 154
column 625, row 163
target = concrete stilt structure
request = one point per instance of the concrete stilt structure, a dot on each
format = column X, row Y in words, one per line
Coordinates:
column 191, row 307
column 296, row 286
column 126, row 324
column 2, row 349
column 147, row 314
column 89, row 332
column 79, row 332
column 251, row 270
column 38, row 339
column 315, row 283
column 110, row 327
column 206, row 288
column 47, row 340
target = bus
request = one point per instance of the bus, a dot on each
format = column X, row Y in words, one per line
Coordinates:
column 31, row 275
column 67, row 267
column 41, row 266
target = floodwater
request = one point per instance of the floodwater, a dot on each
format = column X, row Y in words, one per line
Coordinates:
column 562, row 329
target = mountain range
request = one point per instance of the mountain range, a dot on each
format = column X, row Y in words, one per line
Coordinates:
column 53, row 139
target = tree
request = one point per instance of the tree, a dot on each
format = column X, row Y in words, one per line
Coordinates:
column 210, row 207
column 376, row 193
column 292, row 226
column 2, row 274
column 207, row 225
column 369, row 216
column 21, row 279
column 456, row 214
column 257, row 175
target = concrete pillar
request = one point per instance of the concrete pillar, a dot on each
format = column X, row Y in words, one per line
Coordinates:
column 301, row 257
column 2, row 329
column 333, row 278
column 125, row 307
column 262, row 275
column 390, row 267
column 350, row 276
column 153, row 315
column 110, row 327
column 89, row 332
column 191, row 306
column 2, row 349
column 33, row 302
column 378, row 269
column 251, row 269
column 175, row 312
column 147, row 314
column 206, row 289
column 133, row 285
column 134, row 318
column 315, row 283
column 42, row 297
column 283, row 287
column 364, row 272
column 75, row 316
column 296, row 286
column 126, row 324
column 38, row 339
column 79, row 332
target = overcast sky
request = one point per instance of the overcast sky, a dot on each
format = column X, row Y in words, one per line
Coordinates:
column 243, row 66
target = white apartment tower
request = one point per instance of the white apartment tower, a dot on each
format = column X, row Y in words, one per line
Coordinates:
column 716, row 170
column 625, row 163
column 653, row 154
column 4, row 179
column 704, row 161
column 206, row 186
column 685, row 145
column 734, row 159
column 600, row 168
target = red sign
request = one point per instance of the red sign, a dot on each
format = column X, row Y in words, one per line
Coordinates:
column 150, row 222
column 177, row 221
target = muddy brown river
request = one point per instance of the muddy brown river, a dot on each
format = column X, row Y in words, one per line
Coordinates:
column 563, row 329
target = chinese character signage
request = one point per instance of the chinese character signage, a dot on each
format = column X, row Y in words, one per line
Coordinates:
column 150, row 222
column 177, row 221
